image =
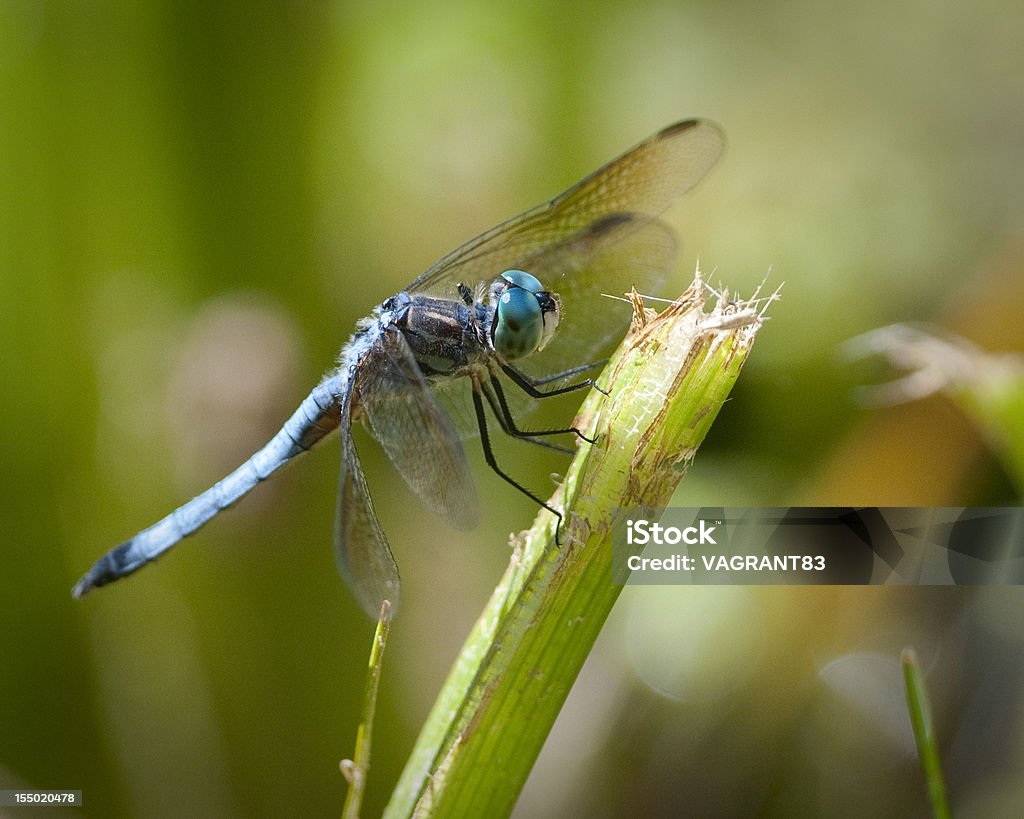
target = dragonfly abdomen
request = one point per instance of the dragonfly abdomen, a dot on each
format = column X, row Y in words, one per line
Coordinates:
column 318, row 415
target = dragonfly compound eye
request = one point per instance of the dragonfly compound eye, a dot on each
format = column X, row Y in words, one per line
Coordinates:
column 526, row 316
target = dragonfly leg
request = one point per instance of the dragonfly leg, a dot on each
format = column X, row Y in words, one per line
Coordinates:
column 504, row 417
column 540, row 382
column 485, row 442
column 530, row 385
column 496, row 398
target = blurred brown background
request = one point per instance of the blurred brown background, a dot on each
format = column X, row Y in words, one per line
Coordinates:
column 198, row 201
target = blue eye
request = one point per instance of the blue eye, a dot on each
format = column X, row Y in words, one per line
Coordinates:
column 525, row 317
column 520, row 278
column 519, row 324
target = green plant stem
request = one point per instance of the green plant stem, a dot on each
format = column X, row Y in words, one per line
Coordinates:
column 665, row 386
column 924, row 733
column 356, row 769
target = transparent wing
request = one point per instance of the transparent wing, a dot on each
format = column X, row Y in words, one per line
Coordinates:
column 421, row 442
column 644, row 181
column 415, row 432
column 601, row 236
column 360, row 547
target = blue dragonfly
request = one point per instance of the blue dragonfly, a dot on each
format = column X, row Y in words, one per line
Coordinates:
column 452, row 335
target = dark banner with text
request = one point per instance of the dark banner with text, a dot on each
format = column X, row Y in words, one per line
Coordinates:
column 910, row 546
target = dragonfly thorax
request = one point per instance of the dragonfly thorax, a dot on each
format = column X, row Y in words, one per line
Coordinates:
column 525, row 315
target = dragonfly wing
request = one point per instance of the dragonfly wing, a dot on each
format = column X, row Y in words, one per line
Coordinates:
column 414, row 431
column 644, row 181
column 360, row 547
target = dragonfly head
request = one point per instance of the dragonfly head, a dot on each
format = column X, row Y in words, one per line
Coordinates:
column 525, row 314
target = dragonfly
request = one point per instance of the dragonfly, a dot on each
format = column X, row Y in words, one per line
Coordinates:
column 511, row 317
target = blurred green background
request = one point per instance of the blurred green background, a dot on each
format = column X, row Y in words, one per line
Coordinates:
column 198, row 201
